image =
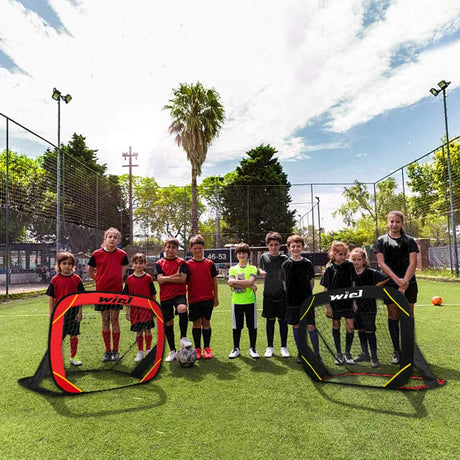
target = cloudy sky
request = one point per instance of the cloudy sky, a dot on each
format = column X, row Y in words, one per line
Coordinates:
column 339, row 87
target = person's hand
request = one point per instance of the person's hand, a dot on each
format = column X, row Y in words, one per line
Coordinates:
column 328, row 311
column 78, row 317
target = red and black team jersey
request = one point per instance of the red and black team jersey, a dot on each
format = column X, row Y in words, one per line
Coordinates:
column 140, row 285
column 61, row 286
column 169, row 267
column 108, row 269
column 200, row 282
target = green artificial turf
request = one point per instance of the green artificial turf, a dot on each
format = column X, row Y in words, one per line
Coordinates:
column 242, row 408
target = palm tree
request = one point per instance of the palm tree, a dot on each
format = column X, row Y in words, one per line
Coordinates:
column 197, row 116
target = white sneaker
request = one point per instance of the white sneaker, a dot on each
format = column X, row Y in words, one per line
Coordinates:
column 146, row 352
column 284, row 352
column 171, row 356
column 268, row 352
column 234, row 353
column 185, row 342
column 139, row 357
column 253, row 353
column 75, row 361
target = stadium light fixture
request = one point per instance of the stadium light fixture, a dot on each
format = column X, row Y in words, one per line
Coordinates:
column 443, row 84
column 57, row 96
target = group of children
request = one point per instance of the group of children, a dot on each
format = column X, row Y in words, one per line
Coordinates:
column 288, row 281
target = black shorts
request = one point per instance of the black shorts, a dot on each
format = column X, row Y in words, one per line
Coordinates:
column 293, row 315
column 70, row 326
column 410, row 294
column 169, row 307
column 105, row 307
column 365, row 321
column 272, row 309
column 136, row 327
column 200, row 310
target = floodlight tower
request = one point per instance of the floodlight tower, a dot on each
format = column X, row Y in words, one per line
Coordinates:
column 57, row 96
column 443, row 84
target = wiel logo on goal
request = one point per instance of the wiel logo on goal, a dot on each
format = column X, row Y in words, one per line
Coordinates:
column 124, row 300
column 347, row 295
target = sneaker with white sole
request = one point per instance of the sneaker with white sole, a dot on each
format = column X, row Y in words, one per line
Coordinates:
column 339, row 359
column 284, row 352
column 362, row 357
column 185, row 342
column 234, row 353
column 107, row 356
column 253, row 353
column 348, row 359
column 139, row 357
column 171, row 356
column 375, row 362
column 269, row 352
column 75, row 361
column 396, row 357
column 115, row 355
column 146, row 353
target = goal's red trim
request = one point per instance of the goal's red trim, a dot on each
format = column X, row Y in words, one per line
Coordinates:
column 97, row 297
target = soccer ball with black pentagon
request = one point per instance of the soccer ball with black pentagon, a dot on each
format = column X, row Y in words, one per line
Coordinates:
column 186, row 357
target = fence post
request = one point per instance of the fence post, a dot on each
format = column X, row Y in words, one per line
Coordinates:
column 7, row 213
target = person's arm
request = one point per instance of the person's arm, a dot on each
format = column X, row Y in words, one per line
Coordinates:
column 242, row 283
column 403, row 284
column 410, row 272
column 79, row 315
column 51, row 306
column 176, row 278
column 92, row 272
column 216, row 292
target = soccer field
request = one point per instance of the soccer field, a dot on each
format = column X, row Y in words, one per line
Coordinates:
column 242, row 408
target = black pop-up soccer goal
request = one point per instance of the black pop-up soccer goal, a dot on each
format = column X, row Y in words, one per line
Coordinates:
column 412, row 371
column 57, row 375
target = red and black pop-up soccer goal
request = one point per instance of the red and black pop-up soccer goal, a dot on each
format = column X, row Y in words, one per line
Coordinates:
column 56, row 370
column 412, row 371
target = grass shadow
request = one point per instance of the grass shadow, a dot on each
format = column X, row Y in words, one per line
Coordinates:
column 266, row 365
column 222, row 370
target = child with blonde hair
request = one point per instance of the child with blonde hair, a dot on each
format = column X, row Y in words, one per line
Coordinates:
column 340, row 273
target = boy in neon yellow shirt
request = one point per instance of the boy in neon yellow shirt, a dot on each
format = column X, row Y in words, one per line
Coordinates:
column 242, row 279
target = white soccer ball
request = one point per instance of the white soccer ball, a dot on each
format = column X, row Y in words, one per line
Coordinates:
column 186, row 357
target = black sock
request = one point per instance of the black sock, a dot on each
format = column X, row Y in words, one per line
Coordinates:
column 183, row 324
column 393, row 327
column 196, row 332
column 363, row 341
column 349, row 341
column 169, row 332
column 252, row 337
column 336, row 335
column 236, row 338
column 283, row 332
column 371, row 337
column 270, row 331
column 314, row 341
column 206, row 337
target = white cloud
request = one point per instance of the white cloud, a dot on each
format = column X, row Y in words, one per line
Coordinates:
column 277, row 65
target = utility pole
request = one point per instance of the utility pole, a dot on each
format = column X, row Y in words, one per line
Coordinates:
column 130, row 165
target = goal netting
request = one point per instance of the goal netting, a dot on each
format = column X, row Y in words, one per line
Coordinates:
column 92, row 371
column 411, row 372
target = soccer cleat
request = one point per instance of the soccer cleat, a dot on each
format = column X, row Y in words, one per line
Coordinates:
column 347, row 358
column 115, row 355
column 207, row 353
column 185, row 342
column 234, row 353
column 268, row 352
column 375, row 362
column 396, row 357
column 198, row 353
column 284, row 352
column 107, row 356
column 298, row 360
column 253, row 353
column 75, row 361
column 146, row 352
column 361, row 357
column 339, row 359
column 139, row 357
column 171, row 356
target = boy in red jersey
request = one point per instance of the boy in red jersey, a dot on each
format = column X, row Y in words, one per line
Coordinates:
column 172, row 276
column 107, row 267
column 140, row 283
column 202, row 295
column 65, row 282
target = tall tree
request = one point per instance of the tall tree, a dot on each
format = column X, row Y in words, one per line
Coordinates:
column 197, row 116
column 256, row 198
